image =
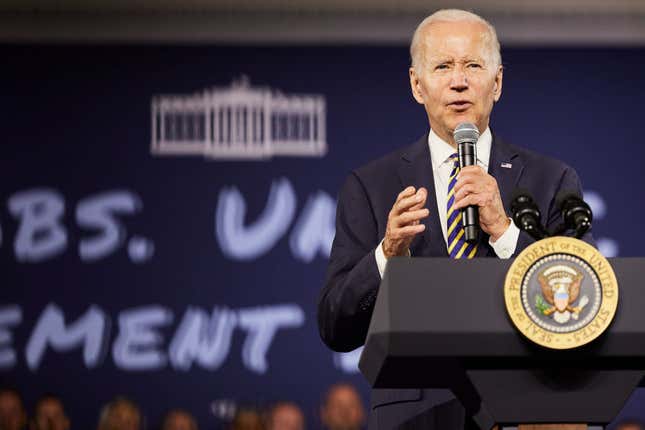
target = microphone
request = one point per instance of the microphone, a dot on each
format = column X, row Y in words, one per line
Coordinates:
column 576, row 214
column 526, row 214
column 466, row 136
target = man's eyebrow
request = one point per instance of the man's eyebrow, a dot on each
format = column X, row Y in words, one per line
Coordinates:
column 441, row 60
column 473, row 59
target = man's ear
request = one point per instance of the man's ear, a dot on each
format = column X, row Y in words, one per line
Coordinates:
column 497, row 86
column 415, row 86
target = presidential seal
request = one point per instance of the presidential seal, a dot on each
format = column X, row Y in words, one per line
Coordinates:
column 561, row 293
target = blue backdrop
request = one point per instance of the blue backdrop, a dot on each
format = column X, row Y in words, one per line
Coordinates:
column 189, row 281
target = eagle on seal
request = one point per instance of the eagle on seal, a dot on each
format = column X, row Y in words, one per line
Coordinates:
column 561, row 287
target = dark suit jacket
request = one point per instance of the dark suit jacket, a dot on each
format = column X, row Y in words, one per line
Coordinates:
column 347, row 300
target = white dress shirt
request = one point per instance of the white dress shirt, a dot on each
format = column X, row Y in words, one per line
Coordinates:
column 440, row 152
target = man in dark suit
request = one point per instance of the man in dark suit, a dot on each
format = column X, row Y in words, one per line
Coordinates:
column 407, row 203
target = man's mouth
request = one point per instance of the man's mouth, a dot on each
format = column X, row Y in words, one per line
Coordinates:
column 460, row 105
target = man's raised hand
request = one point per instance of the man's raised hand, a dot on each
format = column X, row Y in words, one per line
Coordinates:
column 404, row 221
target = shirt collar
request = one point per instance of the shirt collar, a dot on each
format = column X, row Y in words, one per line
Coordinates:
column 440, row 150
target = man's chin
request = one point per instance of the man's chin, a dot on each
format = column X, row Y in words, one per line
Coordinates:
column 462, row 119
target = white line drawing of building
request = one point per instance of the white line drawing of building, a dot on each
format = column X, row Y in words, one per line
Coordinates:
column 239, row 122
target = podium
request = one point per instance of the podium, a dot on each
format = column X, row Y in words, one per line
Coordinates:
column 442, row 323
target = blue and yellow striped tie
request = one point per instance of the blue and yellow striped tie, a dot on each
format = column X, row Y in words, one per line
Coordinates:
column 457, row 246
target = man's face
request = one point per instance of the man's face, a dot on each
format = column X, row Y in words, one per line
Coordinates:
column 12, row 414
column 457, row 80
column 50, row 415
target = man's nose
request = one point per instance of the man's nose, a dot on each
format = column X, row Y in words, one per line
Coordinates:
column 458, row 81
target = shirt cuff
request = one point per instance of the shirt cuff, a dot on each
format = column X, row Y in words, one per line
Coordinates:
column 505, row 246
column 381, row 260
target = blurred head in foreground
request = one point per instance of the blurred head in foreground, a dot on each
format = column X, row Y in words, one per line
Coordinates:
column 49, row 414
column 120, row 414
column 12, row 410
column 247, row 419
column 342, row 408
column 630, row 424
column 285, row 416
column 179, row 420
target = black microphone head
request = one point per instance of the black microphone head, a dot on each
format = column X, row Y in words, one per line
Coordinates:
column 522, row 203
column 466, row 132
column 526, row 214
column 566, row 196
column 576, row 213
column 520, row 196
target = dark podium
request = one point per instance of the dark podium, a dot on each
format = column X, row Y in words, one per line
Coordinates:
column 442, row 323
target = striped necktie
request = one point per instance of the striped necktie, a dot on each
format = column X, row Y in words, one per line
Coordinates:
column 457, row 246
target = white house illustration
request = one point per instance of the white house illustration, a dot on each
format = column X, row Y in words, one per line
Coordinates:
column 239, row 122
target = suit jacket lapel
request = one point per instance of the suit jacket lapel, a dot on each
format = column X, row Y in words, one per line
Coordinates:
column 416, row 170
column 506, row 167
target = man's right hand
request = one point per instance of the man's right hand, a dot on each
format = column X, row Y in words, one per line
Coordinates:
column 403, row 222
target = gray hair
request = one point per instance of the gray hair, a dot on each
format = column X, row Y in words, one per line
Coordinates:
column 454, row 15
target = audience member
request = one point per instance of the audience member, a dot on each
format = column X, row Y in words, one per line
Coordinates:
column 630, row 425
column 342, row 408
column 179, row 420
column 285, row 416
column 12, row 410
column 247, row 419
column 49, row 414
column 120, row 414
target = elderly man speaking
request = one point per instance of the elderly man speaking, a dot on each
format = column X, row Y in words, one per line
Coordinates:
column 407, row 203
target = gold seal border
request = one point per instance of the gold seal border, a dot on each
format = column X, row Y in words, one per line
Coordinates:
column 545, row 248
